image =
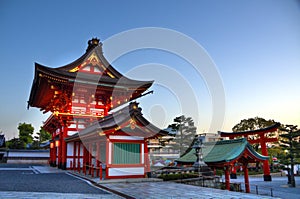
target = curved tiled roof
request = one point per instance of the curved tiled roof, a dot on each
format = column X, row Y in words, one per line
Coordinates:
column 118, row 118
column 222, row 151
column 109, row 79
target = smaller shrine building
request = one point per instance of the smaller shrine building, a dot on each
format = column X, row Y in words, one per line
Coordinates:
column 224, row 155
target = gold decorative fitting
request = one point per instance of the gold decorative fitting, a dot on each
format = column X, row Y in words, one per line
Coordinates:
column 40, row 75
column 74, row 69
column 132, row 124
column 111, row 75
column 101, row 134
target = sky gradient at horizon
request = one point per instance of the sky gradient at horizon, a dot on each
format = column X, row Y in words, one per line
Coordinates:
column 255, row 46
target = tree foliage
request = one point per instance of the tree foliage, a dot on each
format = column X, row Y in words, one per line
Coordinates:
column 253, row 124
column 43, row 135
column 15, row 143
column 290, row 145
column 185, row 133
column 25, row 133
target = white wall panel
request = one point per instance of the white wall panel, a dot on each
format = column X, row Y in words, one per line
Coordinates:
column 125, row 171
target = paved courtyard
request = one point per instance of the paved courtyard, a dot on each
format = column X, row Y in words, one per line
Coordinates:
column 175, row 190
column 278, row 186
column 36, row 181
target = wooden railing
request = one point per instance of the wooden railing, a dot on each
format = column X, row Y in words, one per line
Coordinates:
column 88, row 169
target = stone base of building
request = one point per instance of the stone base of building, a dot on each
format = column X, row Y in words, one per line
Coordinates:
column 267, row 178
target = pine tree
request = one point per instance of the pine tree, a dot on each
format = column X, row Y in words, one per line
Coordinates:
column 185, row 133
column 290, row 144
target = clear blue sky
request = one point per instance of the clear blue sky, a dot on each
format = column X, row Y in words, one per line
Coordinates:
column 254, row 44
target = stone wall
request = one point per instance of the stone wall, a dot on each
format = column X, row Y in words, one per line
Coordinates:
column 27, row 156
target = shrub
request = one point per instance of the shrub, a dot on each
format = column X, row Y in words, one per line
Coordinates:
column 167, row 177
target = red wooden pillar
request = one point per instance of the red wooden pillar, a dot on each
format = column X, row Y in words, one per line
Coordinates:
column 54, row 155
column 108, row 159
column 97, row 158
column 246, row 177
column 74, row 155
column 85, row 160
column 90, row 157
column 100, row 171
column 78, row 157
column 64, row 148
column 146, row 158
column 233, row 172
column 52, row 151
column 264, row 151
column 227, row 178
column 59, row 148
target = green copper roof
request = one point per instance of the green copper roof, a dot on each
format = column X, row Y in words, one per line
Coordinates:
column 222, row 151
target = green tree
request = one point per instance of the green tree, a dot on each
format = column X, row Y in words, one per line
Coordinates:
column 290, row 144
column 43, row 135
column 25, row 133
column 15, row 143
column 185, row 133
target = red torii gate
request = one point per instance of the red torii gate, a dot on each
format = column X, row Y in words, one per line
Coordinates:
column 262, row 140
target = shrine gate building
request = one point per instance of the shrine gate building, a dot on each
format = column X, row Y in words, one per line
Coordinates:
column 262, row 140
column 95, row 123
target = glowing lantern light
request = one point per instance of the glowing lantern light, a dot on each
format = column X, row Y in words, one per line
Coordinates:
column 57, row 143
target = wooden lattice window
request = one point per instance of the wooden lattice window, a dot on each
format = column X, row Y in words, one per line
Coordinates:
column 126, row 153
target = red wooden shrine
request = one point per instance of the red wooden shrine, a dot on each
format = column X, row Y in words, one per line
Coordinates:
column 262, row 140
column 88, row 133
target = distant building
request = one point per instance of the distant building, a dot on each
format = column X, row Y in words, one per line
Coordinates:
column 210, row 137
column 162, row 148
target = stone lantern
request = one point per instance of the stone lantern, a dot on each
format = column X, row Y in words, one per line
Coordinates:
column 198, row 146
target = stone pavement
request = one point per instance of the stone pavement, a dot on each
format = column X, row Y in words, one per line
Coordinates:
column 278, row 186
column 49, row 195
column 153, row 188
column 37, row 181
column 126, row 188
column 176, row 190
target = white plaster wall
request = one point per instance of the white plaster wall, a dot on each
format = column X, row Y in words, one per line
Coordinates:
column 126, row 171
column 70, row 148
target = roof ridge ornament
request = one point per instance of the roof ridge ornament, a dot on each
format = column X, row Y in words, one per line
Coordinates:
column 92, row 43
